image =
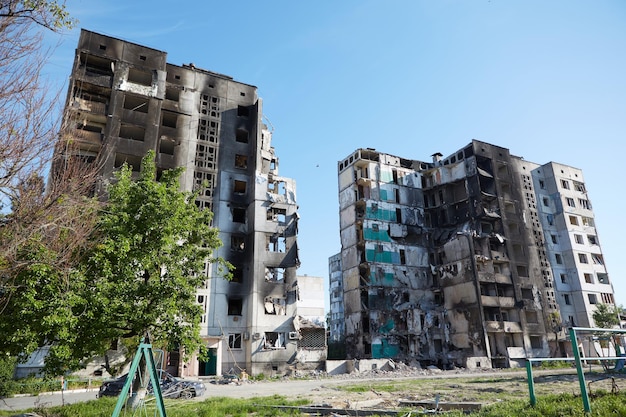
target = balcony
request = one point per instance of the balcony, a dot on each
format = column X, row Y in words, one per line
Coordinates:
column 89, row 106
column 495, row 301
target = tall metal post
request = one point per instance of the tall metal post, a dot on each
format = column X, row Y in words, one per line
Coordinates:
column 579, row 370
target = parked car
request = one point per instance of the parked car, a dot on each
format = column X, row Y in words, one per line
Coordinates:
column 171, row 387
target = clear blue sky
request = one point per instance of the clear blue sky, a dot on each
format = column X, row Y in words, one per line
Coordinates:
column 546, row 79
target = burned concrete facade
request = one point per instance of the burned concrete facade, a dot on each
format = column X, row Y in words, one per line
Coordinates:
column 124, row 99
column 445, row 262
column 336, row 320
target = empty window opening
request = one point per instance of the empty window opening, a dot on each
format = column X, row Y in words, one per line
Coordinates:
column 238, row 243
column 273, row 274
column 545, row 201
column 169, row 119
column 235, row 306
column 241, row 161
column 276, row 244
column 103, row 47
column 134, row 103
column 275, row 306
column 603, row 278
column 558, row 258
column 277, row 215
column 531, row 317
column 579, row 239
column 132, row 132
column 273, row 340
column 273, row 165
column 239, row 215
column 142, row 57
column 570, row 202
column 399, row 215
column 402, row 257
column 582, row 258
column 593, row 299
column 271, row 187
column 241, row 136
column 563, row 278
column 542, row 184
column 573, row 220
column 553, row 238
column 172, row 94
column 527, row 294
column 396, row 193
column 234, row 341
column 166, row 146
column 282, row 188
column 565, row 184
column 567, row 300
column 592, row 239
column 535, row 342
column 243, row 111
column 139, row 77
column 239, row 187
column 237, row 274
column 588, row 278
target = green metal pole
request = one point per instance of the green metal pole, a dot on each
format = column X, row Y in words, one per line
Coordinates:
column 531, row 383
column 579, row 369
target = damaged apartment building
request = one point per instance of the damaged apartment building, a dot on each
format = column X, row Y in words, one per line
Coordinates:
column 480, row 259
column 124, row 99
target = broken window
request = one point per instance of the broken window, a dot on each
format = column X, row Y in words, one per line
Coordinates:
column 592, row 239
column 277, row 215
column 275, row 306
column 241, row 161
column 399, row 215
column 239, row 187
column 239, row 215
column 570, row 202
column 588, row 221
column 582, row 258
column 564, row 278
column 402, row 257
column 573, row 220
column 567, row 299
column 234, row 341
column 607, row 298
column 597, row 258
column 579, row 239
column 241, row 136
column 592, row 299
column 584, row 203
column 579, row 186
column 588, row 278
column 274, row 274
column 235, row 306
column 565, row 184
column 238, row 243
column 273, row 340
column 542, row 184
column 553, row 238
column 276, row 244
column 169, row 119
column 282, row 189
column 603, row 278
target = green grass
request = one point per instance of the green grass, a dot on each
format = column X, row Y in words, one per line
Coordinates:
column 213, row 407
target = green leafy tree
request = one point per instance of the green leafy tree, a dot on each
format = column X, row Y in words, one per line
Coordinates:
column 606, row 316
column 153, row 243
